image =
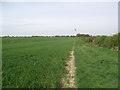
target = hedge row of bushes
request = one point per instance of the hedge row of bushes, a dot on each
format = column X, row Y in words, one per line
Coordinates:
column 110, row 42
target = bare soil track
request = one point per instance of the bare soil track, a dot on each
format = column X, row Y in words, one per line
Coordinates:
column 69, row 80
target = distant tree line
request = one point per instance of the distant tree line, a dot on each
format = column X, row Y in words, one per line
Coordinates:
column 83, row 35
column 65, row 36
column 42, row 36
column 111, row 42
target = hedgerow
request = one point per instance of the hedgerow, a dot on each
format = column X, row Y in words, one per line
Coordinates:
column 110, row 42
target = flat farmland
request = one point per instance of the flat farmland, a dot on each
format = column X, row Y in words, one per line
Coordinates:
column 97, row 67
column 34, row 62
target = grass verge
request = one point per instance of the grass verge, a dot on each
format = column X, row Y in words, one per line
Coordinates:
column 95, row 67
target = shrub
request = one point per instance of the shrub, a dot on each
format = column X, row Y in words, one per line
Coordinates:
column 99, row 40
column 110, row 42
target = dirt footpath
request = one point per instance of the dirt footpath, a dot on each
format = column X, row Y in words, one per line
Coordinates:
column 69, row 80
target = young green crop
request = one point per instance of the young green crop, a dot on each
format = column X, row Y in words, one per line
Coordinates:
column 95, row 67
column 34, row 62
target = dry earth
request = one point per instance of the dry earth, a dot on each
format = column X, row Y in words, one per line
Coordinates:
column 69, row 80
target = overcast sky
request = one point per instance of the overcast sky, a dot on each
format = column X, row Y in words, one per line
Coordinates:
column 59, row 18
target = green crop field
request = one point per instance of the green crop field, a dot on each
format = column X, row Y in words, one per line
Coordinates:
column 34, row 62
column 96, row 67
